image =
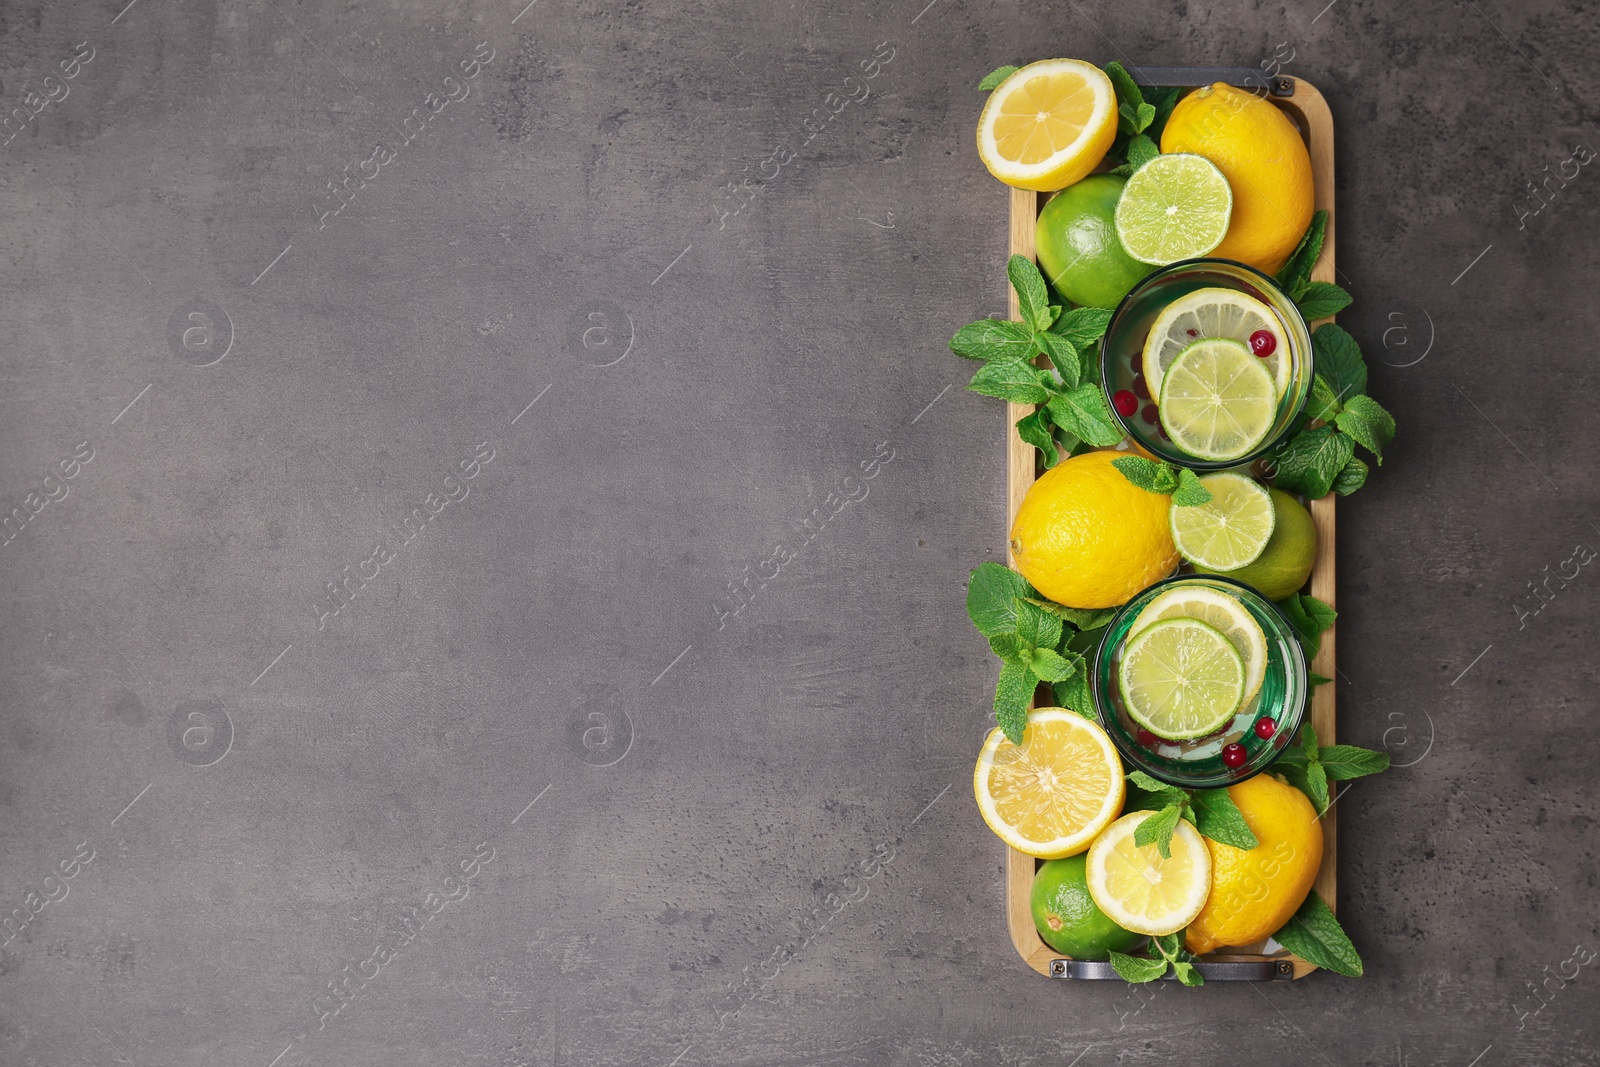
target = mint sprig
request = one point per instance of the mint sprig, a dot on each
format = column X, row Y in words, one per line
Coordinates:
column 1156, row 476
column 1211, row 811
column 1321, row 458
column 1314, row 934
column 1037, row 641
column 1169, row 948
column 1310, row 618
column 1141, row 116
column 1068, row 391
column 1314, row 766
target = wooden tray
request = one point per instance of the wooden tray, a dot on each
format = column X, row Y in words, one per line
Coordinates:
column 1306, row 108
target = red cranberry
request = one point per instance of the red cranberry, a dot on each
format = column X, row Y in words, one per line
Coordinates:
column 1141, row 388
column 1234, row 755
column 1162, row 430
column 1146, row 738
column 1150, row 414
column 1265, row 728
column 1192, row 332
column 1125, row 402
column 1137, row 362
column 1263, row 343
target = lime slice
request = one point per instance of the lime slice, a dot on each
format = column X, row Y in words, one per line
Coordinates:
column 1214, row 608
column 1217, row 401
column 1213, row 312
column 1174, row 207
column 1231, row 529
column 1181, row 678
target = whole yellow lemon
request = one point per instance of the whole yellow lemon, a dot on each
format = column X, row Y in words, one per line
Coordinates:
column 1086, row 537
column 1265, row 161
column 1254, row 892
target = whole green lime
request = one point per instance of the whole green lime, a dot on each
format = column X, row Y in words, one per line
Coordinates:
column 1076, row 241
column 1285, row 564
column 1066, row 915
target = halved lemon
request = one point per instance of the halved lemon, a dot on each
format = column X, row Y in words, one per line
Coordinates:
column 1218, row 609
column 1181, row 678
column 1217, row 401
column 1140, row 891
column 1048, row 124
column 1213, row 312
column 1231, row 529
column 1051, row 795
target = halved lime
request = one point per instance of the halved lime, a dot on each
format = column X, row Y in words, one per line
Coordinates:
column 1213, row 312
column 1214, row 608
column 1231, row 529
column 1181, row 678
column 1174, row 207
column 1217, row 401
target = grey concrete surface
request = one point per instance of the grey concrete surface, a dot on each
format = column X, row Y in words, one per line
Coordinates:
column 614, row 813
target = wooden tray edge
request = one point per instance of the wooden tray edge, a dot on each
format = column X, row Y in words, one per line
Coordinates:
column 1317, row 119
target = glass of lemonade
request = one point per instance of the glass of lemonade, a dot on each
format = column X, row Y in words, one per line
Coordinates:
column 1262, row 726
column 1123, row 351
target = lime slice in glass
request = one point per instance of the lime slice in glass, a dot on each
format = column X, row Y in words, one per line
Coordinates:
column 1217, row 401
column 1231, row 529
column 1181, row 678
column 1218, row 609
column 1213, row 312
column 1174, row 207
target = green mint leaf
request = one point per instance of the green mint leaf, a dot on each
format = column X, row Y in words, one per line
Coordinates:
column 1187, row 973
column 1314, row 935
column 1297, row 271
column 1034, row 428
column 1082, row 326
column 1093, row 628
column 993, row 79
column 1128, row 91
column 1144, row 115
column 1157, row 829
column 1170, row 946
column 1083, row 413
column 1081, row 618
column 1149, row 784
column 1163, row 100
column 1142, row 149
column 1063, row 357
column 1351, row 478
column 1313, row 679
column 1218, row 817
column 1318, row 300
column 1007, row 646
column 1127, row 119
column 1317, row 786
column 1343, row 762
column 992, row 592
column 1137, row 969
column 993, row 339
column 1013, row 692
column 1052, row 666
column 1123, row 170
column 1142, row 472
column 1337, row 357
column 1308, row 743
column 1309, row 461
column 1074, row 695
column 1323, row 403
column 1031, row 295
column 1036, row 626
column 1364, row 419
column 1295, row 773
column 1310, row 617
column 1012, row 379
column 1189, row 492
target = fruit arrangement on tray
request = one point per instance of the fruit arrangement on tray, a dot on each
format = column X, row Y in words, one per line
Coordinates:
column 1184, row 414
